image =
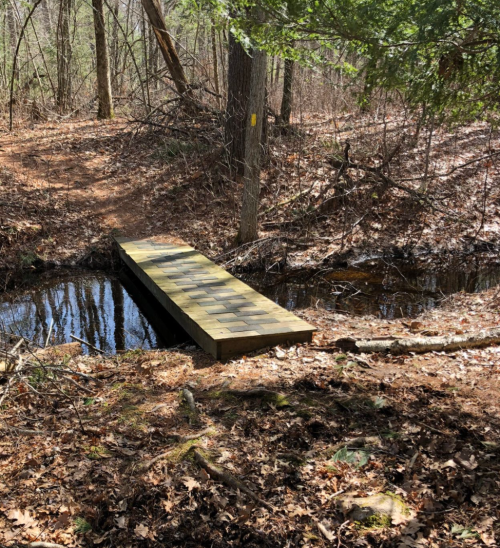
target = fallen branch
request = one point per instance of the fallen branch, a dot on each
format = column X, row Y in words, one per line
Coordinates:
column 363, row 442
column 421, row 345
column 286, row 202
column 87, row 344
column 225, row 477
column 254, row 393
column 42, row 545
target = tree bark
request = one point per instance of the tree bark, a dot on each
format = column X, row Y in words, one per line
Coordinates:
column 215, row 62
column 64, row 52
column 167, row 48
column 239, row 74
column 286, row 100
column 253, row 152
column 422, row 344
column 105, row 109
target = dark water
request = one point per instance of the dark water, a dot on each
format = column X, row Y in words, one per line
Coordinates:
column 379, row 288
column 93, row 307
column 116, row 315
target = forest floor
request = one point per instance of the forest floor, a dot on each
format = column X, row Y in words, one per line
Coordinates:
column 423, row 429
column 66, row 188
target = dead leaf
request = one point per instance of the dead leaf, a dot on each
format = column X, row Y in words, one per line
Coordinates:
column 167, row 505
column 191, row 483
column 20, row 517
column 122, row 522
column 141, row 530
column 325, row 532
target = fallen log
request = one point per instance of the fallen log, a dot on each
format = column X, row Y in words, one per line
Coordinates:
column 421, row 345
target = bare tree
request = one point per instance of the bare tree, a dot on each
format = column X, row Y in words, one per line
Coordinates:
column 167, row 48
column 105, row 109
column 64, row 52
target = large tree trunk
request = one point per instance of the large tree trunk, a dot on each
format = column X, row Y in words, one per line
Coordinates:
column 167, row 48
column 105, row 109
column 253, row 151
column 422, row 344
column 286, row 100
column 64, row 52
column 239, row 74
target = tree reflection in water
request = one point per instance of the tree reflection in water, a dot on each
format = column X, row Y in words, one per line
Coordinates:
column 94, row 307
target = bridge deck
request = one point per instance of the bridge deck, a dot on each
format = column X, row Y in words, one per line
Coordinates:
column 222, row 314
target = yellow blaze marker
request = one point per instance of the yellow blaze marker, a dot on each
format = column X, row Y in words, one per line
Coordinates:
column 254, row 119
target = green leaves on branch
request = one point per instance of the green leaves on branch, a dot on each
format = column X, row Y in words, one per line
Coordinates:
column 441, row 53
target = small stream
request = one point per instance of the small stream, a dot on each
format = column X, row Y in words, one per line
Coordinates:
column 116, row 315
column 379, row 288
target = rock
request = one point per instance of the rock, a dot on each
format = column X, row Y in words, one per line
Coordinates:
column 382, row 509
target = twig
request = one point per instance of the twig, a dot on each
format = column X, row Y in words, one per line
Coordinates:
column 47, row 340
column 88, row 344
column 432, row 428
column 42, row 545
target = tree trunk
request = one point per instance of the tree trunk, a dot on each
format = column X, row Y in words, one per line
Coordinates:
column 105, row 109
column 286, row 101
column 253, row 152
column 215, row 62
column 64, row 87
column 239, row 74
column 167, row 48
column 47, row 18
column 114, row 50
column 12, row 25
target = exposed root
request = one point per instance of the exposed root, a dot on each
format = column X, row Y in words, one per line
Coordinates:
column 225, row 477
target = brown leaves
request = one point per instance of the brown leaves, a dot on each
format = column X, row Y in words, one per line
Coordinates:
column 20, row 517
column 191, row 483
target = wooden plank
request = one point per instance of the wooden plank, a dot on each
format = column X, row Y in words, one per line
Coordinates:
column 221, row 313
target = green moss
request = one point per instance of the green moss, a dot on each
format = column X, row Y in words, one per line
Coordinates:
column 97, row 452
column 376, row 521
column 279, row 400
column 404, row 509
column 220, row 395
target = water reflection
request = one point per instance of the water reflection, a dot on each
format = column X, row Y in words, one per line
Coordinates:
column 377, row 288
column 94, row 307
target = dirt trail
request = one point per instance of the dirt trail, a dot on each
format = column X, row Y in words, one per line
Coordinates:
column 65, row 187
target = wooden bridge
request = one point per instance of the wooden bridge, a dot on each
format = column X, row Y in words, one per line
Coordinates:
column 222, row 314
